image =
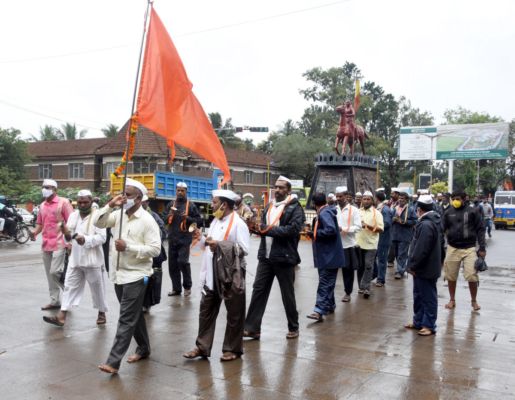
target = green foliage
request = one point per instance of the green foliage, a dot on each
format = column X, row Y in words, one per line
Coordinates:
column 461, row 115
column 33, row 194
column 70, row 132
column 226, row 131
column 48, row 133
column 292, row 152
column 439, row 187
column 13, row 157
column 110, row 131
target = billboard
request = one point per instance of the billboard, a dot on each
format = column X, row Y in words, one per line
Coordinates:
column 455, row 142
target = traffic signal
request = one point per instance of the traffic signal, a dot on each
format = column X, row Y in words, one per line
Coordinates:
column 239, row 129
column 258, row 129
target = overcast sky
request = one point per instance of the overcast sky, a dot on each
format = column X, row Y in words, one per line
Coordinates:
column 75, row 60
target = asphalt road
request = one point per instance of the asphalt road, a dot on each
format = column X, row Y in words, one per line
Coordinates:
column 359, row 352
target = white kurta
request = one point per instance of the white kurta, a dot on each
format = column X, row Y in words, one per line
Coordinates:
column 85, row 264
column 239, row 234
column 348, row 226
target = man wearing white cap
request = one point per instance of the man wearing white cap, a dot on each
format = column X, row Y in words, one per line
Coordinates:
column 357, row 199
column 86, row 262
column 368, row 239
column 131, row 267
column 53, row 215
column 222, row 277
column 281, row 223
column 426, row 255
column 349, row 222
column 181, row 214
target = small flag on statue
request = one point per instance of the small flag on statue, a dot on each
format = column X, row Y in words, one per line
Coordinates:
column 356, row 96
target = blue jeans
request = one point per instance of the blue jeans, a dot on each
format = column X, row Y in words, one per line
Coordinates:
column 325, row 292
column 381, row 262
column 401, row 254
column 425, row 303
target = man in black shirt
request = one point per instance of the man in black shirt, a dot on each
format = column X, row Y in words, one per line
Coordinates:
column 181, row 214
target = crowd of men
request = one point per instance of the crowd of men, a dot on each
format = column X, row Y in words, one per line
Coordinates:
column 361, row 235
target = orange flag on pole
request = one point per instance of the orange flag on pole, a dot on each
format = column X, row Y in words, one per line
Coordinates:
column 166, row 103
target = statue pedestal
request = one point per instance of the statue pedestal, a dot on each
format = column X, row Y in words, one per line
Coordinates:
column 357, row 172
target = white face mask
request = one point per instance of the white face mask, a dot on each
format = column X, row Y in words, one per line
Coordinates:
column 47, row 193
column 129, row 204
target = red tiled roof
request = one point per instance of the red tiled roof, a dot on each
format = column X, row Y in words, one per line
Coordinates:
column 148, row 143
column 75, row 148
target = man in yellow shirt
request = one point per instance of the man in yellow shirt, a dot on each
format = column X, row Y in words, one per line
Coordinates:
column 367, row 240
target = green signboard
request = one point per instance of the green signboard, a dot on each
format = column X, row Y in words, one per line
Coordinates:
column 455, row 142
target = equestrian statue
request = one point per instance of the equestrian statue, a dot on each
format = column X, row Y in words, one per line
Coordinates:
column 348, row 132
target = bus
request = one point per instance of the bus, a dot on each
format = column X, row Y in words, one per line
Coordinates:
column 504, row 209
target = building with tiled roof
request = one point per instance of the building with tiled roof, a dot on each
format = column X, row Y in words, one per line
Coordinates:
column 88, row 163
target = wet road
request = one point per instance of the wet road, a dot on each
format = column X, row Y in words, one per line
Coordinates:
column 359, row 352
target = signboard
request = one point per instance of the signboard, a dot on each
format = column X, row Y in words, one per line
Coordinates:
column 454, row 142
column 415, row 143
column 473, row 141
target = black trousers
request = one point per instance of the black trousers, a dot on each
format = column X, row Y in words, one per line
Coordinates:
column 349, row 270
column 265, row 274
column 130, row 323
column 178, row 263
column 209, row 309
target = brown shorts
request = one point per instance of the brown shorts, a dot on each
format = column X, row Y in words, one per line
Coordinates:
column 453, row 260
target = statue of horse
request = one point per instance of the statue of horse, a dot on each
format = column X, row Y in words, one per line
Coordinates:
column 348, row 132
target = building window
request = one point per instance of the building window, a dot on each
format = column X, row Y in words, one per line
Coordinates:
column 45, row 171
column 144, row 167
column 249, row 175
column 76, row 171
column 108, row 168
column 265, row 178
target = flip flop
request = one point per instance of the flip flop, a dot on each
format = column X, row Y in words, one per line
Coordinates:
column 252, row 335
column 451, row 304
column 53, row 321
column 316, row 316
column 475, row 306
column 292, row 335
column 412, row 326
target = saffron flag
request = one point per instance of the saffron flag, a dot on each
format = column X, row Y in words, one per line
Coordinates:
column 166, row 103
column 356, row 96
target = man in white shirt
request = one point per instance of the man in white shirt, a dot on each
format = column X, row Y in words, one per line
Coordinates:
column 86, row 262
column 131, row 267
column 229, row 236
column 349, row 222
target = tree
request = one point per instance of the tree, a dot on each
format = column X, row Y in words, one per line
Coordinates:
column 291, row 152
column 13, row 157
column 226, row 131
column 48, row 133
column 70, row 132
column 491, row 172
column 110, row 131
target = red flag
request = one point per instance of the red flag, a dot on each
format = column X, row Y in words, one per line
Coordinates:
column 166, row 104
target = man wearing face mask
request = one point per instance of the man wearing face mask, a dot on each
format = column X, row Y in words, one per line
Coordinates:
column 464, row 228
column 181, row 214
column 86, row 263
column 53, row 215
column 222, row 277
column 281, row 223
column 131, row 267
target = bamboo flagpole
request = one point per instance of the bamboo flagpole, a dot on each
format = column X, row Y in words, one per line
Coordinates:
column 133, row 105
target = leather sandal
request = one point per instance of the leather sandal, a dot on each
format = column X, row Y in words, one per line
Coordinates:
column 252, row 335
column 316, row 316
column 426, row 332
column 229, row 356
column 292, row 335
column 412, row 326
column 195, row 353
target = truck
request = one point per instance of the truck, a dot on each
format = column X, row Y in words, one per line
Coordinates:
column 161, row 187
column 297, row 188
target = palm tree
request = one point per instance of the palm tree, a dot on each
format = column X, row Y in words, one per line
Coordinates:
column 48, row 133
column 110, row 131
column 70, row 132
